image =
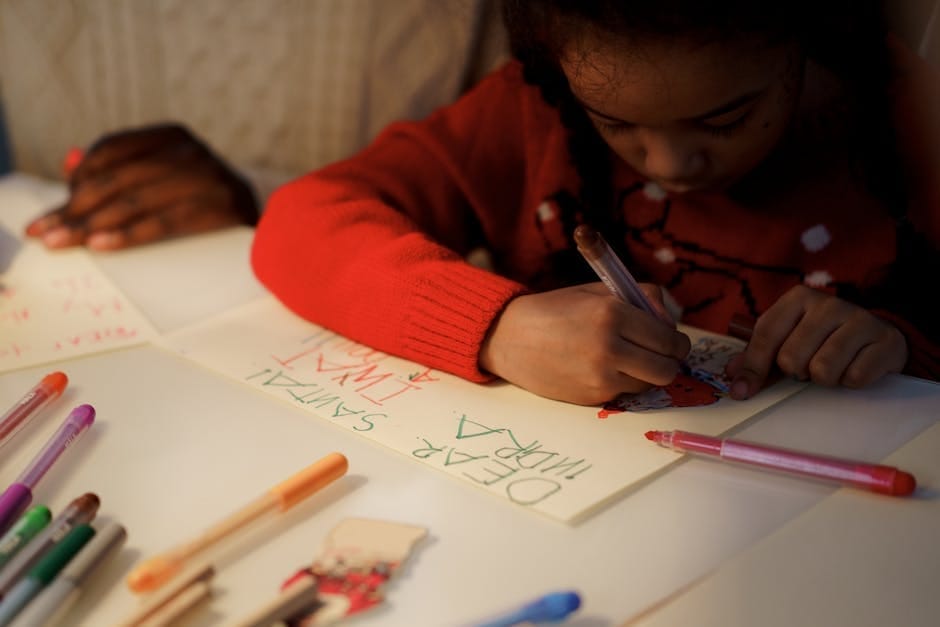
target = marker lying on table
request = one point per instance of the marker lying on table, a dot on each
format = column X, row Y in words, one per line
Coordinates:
column 57, row 598
column 156, row 571
column 191, row 586
column 19, row 535
column 553, row 607
column 43, row 572
column 299, row 598
column 19, row 495
column 873, row 477
column 41, row 394
column 80, row 511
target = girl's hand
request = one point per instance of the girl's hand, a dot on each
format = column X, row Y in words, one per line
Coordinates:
column 144, row 185
column 582, row 345
column 816, row 337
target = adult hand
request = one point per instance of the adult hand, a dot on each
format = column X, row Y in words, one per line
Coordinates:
column 813, row 336
column 143, row 185
column 582, row 345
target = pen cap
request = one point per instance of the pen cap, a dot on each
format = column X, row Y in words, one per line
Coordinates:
column 315, row 476
column 28, row 525
column 78, row 420
column 59, row 555
column 588, row 241
column 54, row 384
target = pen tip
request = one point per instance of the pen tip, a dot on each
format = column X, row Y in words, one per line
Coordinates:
column 151, row 574
column 56, row 382
column 651, row 435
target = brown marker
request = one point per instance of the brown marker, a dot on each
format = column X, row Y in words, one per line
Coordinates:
column 81, row 510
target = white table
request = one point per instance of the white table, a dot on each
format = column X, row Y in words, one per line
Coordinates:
column 177, row 447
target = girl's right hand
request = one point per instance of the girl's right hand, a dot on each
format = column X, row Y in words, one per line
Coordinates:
column 582, row 345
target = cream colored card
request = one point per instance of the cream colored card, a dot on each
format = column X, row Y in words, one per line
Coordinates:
column 56, row 305
column 559, row 459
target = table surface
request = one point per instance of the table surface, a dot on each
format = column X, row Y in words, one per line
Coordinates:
column 177, row 447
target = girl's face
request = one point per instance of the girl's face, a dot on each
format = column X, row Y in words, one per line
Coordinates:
column 689, row 117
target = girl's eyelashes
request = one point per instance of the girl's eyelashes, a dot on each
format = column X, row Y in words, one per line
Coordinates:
column 728, row 128
column 718, row 130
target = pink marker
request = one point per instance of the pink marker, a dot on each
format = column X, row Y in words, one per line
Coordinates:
column 19, row 495
column 43, row 393
column 874, row 477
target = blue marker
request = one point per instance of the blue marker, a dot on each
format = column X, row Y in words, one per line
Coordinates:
column 550, row 608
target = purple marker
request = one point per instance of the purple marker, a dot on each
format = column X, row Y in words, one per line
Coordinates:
column 18, row 496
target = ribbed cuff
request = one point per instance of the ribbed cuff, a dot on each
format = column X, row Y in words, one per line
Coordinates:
column 448, row 318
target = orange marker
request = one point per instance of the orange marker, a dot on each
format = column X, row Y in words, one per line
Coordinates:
column 41, row 394
column 156, row 571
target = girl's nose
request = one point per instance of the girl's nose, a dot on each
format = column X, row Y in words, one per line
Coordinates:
column 669, row 159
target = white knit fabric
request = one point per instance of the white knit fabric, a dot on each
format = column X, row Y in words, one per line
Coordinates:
column 277, row 86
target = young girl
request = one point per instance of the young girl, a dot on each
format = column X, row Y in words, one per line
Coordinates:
column 741, row 156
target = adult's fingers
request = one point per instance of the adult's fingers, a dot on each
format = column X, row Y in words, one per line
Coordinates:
column 46, row 222
column 154, row 196
column 187, row 217
column 127, row 179
column 113, row 149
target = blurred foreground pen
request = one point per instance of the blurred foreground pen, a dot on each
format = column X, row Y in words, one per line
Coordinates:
column 156, row 571
column 19, row 535
column 80, row 511
column 58, row 597
column 44, row 571
column 553, row 607
column 17, row 497
column 40, row 395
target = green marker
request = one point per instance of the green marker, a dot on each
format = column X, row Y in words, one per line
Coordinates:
column 44, row 571
column 23, row 531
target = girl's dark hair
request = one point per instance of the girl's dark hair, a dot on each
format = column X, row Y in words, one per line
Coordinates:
column 848, row 37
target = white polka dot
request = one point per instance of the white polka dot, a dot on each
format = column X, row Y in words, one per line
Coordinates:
column 816, row 238
column 819, row 278
column 665, row 255
column 654, row 191
column 546, row 212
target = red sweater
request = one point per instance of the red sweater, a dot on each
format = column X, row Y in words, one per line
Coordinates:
column 374, row 247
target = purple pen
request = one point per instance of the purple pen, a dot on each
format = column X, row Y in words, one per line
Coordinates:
column 605, row 262
column 18, row 496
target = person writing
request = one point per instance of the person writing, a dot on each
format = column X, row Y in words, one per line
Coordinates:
column 741, row 157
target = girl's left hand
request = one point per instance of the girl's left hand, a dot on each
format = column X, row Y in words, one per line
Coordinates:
column 814, row 336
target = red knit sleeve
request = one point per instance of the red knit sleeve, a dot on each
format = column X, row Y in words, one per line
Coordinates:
column 373, row 247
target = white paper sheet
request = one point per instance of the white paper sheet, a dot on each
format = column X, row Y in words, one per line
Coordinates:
column 559, row 459
column 56, row 305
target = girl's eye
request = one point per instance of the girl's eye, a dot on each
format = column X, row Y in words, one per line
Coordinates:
column 728, row 128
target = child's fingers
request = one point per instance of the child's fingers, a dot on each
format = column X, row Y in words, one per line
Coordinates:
column 751, row 370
